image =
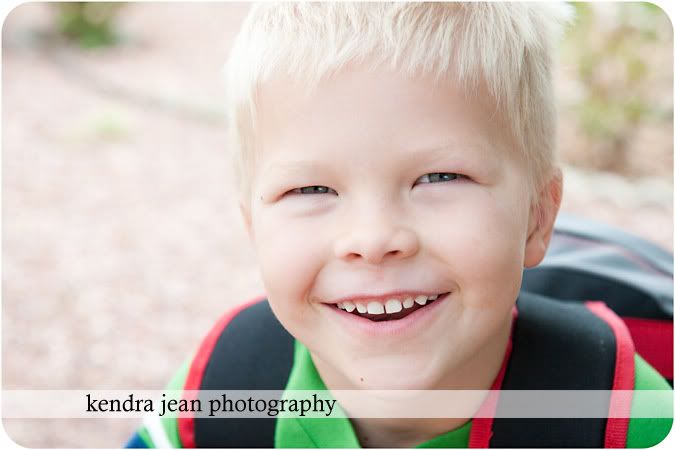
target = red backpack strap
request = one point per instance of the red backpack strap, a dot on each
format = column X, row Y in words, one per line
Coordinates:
column 193, row 382
column 624, row 376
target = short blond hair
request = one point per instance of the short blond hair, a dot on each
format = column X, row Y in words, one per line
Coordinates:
column 506, row 46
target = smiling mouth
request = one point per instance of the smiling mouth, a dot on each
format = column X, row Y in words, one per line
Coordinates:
column 392, row 309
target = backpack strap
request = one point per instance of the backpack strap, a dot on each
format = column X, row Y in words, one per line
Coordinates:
column 556, row 345
column 616, row 430
column 248, row 349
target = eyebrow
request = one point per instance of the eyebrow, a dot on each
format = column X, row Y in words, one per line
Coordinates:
column 301, row 165
column 423, row 155
column 443, row 149
column 293, row 164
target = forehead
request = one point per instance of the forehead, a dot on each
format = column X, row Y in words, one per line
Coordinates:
column 360, row 111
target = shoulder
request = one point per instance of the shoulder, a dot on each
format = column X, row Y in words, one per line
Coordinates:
column 157, row 432
column 557, row 343
column 644, row 431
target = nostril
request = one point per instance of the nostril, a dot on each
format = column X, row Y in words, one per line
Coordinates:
column 353, row 256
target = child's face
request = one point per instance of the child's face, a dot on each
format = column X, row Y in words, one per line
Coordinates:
column 410, row 190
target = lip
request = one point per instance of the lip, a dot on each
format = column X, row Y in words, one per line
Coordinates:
column 406, row 326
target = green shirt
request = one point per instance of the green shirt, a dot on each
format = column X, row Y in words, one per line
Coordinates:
column 296, row 432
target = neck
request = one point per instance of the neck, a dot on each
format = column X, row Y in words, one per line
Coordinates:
column 401, row 433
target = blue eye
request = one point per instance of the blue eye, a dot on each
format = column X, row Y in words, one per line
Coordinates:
column 438, row 177
column 313, row 190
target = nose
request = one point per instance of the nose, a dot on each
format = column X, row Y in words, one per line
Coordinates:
column 374, row 237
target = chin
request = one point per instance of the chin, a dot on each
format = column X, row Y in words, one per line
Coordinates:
column 404, row 376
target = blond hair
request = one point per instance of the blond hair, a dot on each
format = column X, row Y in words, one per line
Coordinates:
column 506, row 46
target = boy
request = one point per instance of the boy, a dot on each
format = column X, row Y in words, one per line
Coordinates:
column 396, row 171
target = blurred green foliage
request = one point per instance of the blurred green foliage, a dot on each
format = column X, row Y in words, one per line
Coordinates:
column 622, row 54
column 89, row 24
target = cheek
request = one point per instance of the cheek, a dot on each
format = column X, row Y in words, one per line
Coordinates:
column 289, row 257
column 483, row 240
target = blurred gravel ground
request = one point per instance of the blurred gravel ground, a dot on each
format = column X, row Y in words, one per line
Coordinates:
column 121, row 245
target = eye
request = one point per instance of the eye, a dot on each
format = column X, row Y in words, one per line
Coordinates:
column 438, row 177
column 313, row 190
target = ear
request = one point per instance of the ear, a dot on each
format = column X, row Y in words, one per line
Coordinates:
column 542, row 217
column 245, row 211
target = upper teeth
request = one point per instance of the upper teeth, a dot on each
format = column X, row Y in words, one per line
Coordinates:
column 393, row 306
column 390, row 306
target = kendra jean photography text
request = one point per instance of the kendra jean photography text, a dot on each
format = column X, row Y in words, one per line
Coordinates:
column 222, row 405
column 34, row 404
